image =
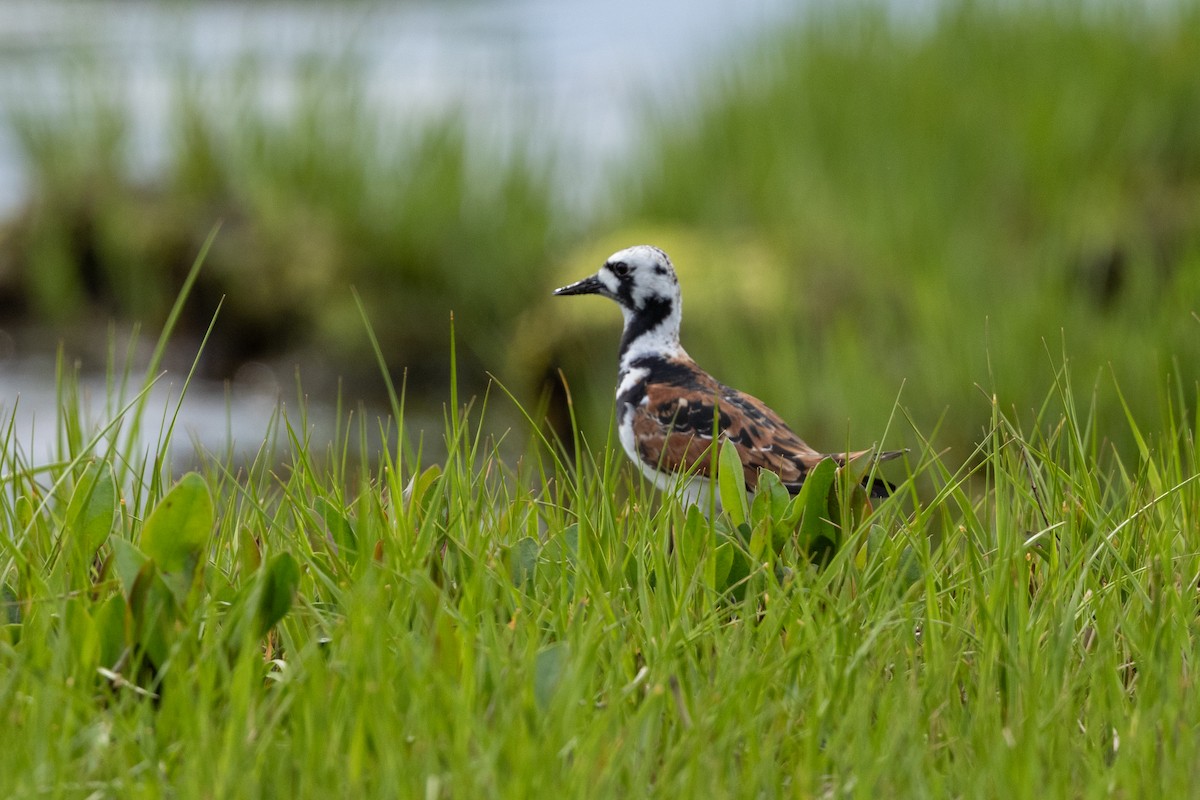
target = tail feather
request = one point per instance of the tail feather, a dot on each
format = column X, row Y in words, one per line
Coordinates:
column 878, row 487
column 874, row 455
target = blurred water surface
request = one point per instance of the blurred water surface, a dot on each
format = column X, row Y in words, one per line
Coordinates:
column 575, row 75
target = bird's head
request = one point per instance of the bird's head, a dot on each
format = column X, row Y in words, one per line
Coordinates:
column 638, row 278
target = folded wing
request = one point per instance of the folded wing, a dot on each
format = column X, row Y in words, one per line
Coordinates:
column 674, row 429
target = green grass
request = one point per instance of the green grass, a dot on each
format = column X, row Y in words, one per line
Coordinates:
column 338, row 626
column 929, row 213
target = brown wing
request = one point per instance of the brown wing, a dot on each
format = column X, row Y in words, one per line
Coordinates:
column 674, row 429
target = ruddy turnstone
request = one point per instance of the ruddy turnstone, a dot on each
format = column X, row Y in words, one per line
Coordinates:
column 667, row 404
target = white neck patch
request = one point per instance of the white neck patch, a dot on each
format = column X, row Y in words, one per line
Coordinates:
column 662, row 340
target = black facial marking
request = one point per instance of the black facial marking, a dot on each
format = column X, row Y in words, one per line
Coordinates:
column 632, row 396
column 645, row 318
column 624, row 293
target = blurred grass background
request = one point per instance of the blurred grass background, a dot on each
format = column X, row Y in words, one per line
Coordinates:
column 863, row 205
column 954, row 204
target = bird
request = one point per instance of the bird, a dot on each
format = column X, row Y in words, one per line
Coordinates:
column 670, row 410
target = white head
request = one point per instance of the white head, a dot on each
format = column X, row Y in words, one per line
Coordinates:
column 642, row 281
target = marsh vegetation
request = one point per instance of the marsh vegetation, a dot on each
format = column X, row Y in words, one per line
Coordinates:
column 975, row 234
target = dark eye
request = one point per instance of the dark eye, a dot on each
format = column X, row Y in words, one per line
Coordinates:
column 620, row 269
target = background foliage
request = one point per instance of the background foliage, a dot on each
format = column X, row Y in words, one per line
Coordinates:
column 863, row 206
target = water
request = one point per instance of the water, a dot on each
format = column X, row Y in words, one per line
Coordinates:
column 578, row 76
column 212, row 417
column 581, row 72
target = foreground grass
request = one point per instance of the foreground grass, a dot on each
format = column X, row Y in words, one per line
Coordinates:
column 478, row 628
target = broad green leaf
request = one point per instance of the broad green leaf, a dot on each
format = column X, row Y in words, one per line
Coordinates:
column 24, row 511
column 571, row 540
column 691, row 538
column 92, row 510
column 795, row 508
column 419, row 486
column 731, row 482
column 771, row 506
column 79, row 628
column 559, row 555
column 910, row 570
column 731, row 576
column 128, row 561
column 815, row 523
column 340, row 528
column 857, row 504
column 10, row 605
column 759, row 535
column 548, row 672
column 153, row 610
column 522, row 560
column 875, row 539
column 34, row 524
column 177, row 532
column 447, row 646
column 249, row 553
column 564, row 547
column 722, row 561
column 770, row 499
column 110, row 627
column 280, row 580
